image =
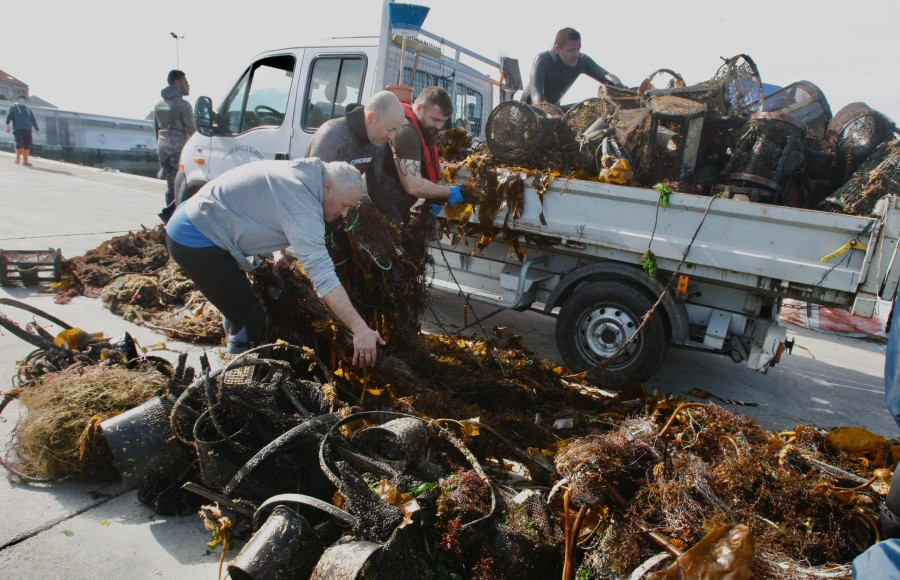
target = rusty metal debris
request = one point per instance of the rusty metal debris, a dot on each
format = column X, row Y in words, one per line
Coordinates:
column 30, row 267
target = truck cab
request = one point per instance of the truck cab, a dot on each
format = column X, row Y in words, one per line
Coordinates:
column 281, row 98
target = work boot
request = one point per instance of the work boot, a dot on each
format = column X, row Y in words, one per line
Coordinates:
column 18, row 155
column 25, row 154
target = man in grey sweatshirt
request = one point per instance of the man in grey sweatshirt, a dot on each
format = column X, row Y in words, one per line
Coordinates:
column 259, row 208
column 173, row 121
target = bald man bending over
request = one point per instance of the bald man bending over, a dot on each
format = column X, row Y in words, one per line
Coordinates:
column 360, row 134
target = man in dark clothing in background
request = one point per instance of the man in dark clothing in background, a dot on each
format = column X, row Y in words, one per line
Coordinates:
column 415, row 168
column 173, row 120
column 22, row 120
column 360, row 135
column 555, row 71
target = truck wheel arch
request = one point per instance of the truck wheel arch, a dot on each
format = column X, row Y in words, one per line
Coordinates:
column 676, row 318
column 185, row 192
column 597, row 322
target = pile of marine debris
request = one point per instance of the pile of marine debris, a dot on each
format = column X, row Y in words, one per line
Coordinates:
column 456, row 457
column 133, row 275
column 722, row 136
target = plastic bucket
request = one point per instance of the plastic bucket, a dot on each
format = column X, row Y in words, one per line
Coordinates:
column 403, row 92
column 285, row 546
column 142, row 444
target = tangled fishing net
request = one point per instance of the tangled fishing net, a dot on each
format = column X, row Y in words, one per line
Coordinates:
column 57, row 437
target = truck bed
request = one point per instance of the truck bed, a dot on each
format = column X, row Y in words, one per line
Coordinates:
column 771, row 249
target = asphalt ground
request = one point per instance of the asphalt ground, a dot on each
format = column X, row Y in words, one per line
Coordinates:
column 79, row 530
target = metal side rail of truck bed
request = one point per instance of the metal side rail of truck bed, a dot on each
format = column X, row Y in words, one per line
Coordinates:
column 579, row 245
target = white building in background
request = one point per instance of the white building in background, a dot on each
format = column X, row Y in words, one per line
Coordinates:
column 128, row 145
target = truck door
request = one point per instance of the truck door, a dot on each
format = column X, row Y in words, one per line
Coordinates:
column 256, row 117
column 334, row 81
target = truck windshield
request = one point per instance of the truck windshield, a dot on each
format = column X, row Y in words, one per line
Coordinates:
column 260, row 97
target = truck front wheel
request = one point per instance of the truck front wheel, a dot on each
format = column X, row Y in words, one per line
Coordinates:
column 596, row 321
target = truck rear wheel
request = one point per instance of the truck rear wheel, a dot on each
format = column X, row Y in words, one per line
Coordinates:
column 597, row 320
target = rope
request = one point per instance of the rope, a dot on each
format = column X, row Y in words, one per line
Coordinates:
column 604, row 363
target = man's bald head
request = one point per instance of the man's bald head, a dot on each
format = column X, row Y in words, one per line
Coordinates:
column 384, row 116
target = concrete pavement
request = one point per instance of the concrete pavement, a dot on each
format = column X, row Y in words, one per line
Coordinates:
column 78, row 530
column 85, row 530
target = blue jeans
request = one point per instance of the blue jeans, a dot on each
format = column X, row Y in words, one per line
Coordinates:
column 881, row 561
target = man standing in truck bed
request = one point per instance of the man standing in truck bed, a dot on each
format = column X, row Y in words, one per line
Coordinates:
column 555, row 71
column 415, row 168
column 358, row 136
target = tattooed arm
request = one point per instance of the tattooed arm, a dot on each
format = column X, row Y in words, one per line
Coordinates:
column 415, row 184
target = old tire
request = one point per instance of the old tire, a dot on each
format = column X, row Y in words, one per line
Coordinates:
column 596, row 320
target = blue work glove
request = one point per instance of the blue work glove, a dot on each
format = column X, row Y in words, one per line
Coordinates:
column 434, row 208
column 455, row 195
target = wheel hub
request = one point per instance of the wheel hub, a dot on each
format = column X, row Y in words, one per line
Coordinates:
column 605, row 329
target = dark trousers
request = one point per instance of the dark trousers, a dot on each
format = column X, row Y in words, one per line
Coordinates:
column 215, row 273
column 23, row 139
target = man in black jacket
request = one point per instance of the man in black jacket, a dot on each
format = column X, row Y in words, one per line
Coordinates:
column 554, row 71
column 361, row 134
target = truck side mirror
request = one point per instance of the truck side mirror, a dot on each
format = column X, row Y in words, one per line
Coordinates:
column 204, row 116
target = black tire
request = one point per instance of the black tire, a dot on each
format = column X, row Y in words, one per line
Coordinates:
column 596, row 320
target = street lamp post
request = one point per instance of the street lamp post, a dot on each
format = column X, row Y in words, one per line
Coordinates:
column 177, row 56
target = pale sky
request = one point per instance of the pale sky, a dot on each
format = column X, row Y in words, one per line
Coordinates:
column 112, row 58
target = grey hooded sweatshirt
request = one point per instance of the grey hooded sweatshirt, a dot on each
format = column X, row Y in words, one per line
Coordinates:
column 264, row 206
column 173, row 120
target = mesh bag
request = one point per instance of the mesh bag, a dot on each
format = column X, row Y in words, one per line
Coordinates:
column 878, row 176
column 516, row 132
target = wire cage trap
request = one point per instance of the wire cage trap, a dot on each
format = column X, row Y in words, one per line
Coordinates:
column 801, row 100
column 30, row 267
column 741, row 85
column 583, row 128
column 855, row 132
column 766, row 157
column 676, row 127
column 516, row 131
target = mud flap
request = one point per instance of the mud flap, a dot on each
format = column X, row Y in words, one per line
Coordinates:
column 767, row 349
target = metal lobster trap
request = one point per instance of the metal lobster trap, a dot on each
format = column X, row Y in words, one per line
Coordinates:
column 734, row 91
column 803, row 101
column 30, row 267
